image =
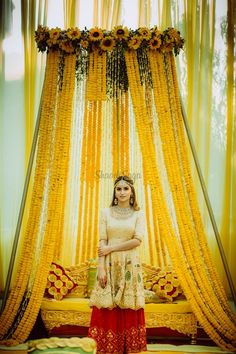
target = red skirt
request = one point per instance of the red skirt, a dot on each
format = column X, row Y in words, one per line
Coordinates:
column 118, row 331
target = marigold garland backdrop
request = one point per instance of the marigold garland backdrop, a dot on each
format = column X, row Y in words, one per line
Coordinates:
column 105, row 91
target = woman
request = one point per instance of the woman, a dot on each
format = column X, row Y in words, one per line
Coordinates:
column 117, row 322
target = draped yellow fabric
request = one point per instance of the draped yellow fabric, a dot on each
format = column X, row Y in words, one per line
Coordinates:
column 228, row 227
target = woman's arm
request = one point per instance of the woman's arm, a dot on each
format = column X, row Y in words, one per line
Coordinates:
column 102, row 276
column 104, row 250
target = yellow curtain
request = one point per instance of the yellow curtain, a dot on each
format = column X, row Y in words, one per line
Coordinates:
column 228, row 225
column 21, row 82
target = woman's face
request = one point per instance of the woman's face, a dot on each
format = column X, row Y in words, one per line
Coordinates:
column 123, row 192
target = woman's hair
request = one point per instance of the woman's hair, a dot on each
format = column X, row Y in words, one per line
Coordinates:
column 130, row 182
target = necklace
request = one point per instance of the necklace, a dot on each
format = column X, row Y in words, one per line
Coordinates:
column 121, row 213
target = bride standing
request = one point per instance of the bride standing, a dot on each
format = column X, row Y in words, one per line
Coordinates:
column 117, row 321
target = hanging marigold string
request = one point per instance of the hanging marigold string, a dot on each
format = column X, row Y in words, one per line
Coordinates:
column 64, row 112
column 55, row 200
column 115, row 138
column 186, row 227
column 187, row 279
column 183, row 160
column 188, row 235
column 96, row 82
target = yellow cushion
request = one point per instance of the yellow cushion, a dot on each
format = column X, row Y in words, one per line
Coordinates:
column 77, row 304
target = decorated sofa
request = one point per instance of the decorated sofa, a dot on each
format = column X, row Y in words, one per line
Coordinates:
column 65, row 308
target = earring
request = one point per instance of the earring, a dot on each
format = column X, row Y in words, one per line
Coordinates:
column 115, row 201
column 131, row 200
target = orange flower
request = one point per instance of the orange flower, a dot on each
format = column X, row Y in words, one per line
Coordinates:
column 73, row 33
column 84, row 44
column 54, row 34
column 134, row 42
column 155, row 43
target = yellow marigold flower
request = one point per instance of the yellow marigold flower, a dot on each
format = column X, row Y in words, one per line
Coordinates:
column 134, row 42
column 84, row 44
column 145, row 33
column 108, row 43
column 95, row 34
column 54, row 34
column 67, row 46
column 155, row 43
column 73, row 33
column 120, row 32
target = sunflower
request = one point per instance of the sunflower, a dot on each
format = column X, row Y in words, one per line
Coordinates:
column 134, row 42
column 54, row 34
column 155, row 43
column 108, row 43
column 145, row 33
column 120, row 32
column 84, row 43
column 66, row 46
column 73, row 33
column 95, row 34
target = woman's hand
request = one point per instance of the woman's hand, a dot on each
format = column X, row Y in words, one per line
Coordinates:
column 102, row 277
column 104, row 250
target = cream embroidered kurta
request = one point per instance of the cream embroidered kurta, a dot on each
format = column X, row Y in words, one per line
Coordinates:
column 124, row 273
